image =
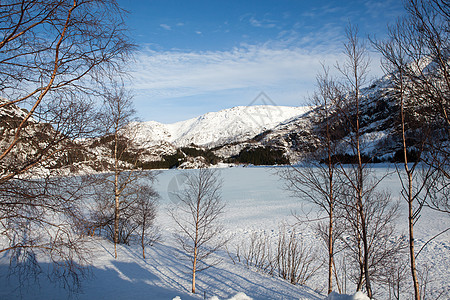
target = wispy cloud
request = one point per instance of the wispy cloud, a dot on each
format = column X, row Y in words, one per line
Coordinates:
column 176, row 74
column 165, row 26
column 385, row 8
column 262, row 23
column 170, row 82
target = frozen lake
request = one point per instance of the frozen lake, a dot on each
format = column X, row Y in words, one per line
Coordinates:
column 256, row 198
column 257, row 201
column 253, row 194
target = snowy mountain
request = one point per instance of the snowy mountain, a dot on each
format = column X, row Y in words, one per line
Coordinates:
column 378, row 121
column 259, row 135
column 218, row 128
column 272, row 134
column 12, row 113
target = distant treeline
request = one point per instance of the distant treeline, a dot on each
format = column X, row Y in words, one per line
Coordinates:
column 260, row 156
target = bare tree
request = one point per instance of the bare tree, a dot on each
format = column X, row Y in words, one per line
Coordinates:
column 385, row 246
column 395, row 275
column 197, row 215
column 285, row 256
column 358, row 195
column 417, row 59
column 411, row 189
column 315, row 179
column 257, row 252
column 144, row 214
column 138, row 207
column 52, row 55
column 38, row 218
column 354, row 70
column 133, row 203
column 116, row 115
column 348, row 189
column 294, row 261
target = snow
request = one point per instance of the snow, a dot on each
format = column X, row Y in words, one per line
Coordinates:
column 238, row 296
column 12, row 111
column 256, row 202
column 216, row 128
column 356, row 296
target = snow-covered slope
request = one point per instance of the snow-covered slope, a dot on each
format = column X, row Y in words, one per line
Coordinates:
column 217, row 128
column 12, row 112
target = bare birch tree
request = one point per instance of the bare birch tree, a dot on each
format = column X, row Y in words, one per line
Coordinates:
column 354, row 70
column 368, row 212
column 137, row 208
column 52, row 55
column 315, row 179
column 144, row 214
column 116, row 118
column 197, row 215
column 395, row 61
column 417, row 59
column 384, row 244
column 118, row 114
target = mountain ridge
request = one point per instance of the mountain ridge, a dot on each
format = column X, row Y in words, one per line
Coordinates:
column 259, row 135
column 216, row 128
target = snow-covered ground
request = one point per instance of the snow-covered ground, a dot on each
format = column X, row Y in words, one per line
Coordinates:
column 256, row 202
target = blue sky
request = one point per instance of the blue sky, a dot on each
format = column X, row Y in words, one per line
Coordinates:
column 201, row 56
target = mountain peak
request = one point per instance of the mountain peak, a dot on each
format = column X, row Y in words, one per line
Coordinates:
column 216, row 128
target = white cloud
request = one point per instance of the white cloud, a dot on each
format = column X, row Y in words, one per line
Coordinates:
column 165, row 26
column 262, row 23
column 177, row 74
column 175, row 85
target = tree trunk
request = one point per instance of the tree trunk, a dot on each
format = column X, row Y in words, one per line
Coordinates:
column 410, row 219
column 410, row 197
column 194, row 268
column 331, row 207
column 366, row 254
column 330, row 253
column 411, row 253
column 116, row 224
column 360, row 191
column 194, row 264
column 142, row 240
column 360, row 261
column 116, row 195
column 340, row 290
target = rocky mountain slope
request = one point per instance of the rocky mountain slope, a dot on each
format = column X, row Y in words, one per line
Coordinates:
column 379, row 115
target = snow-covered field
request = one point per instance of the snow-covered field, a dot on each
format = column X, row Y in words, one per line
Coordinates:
column 255, row 202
